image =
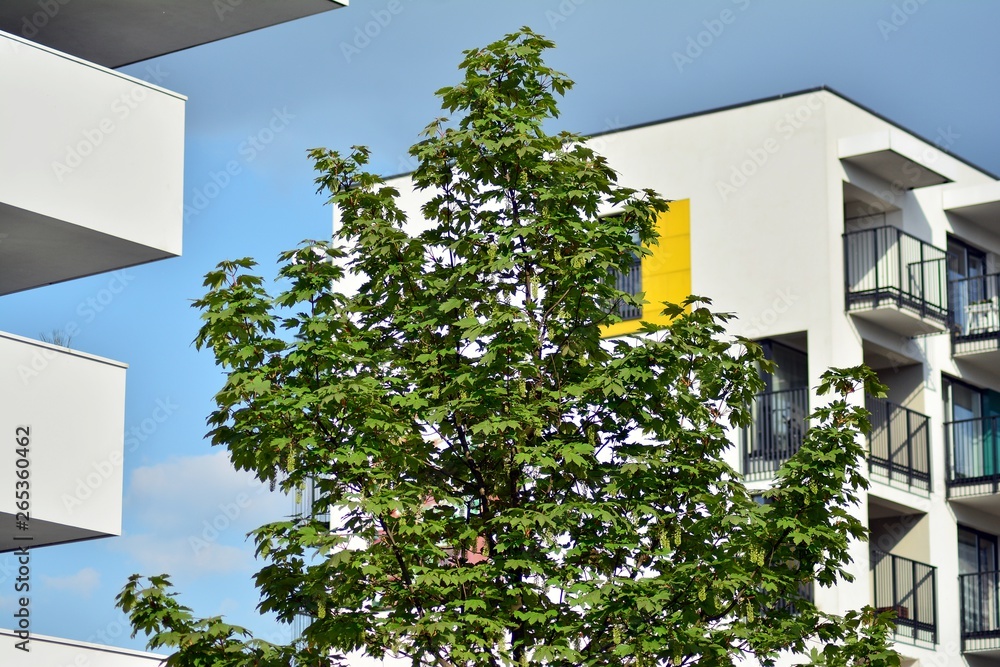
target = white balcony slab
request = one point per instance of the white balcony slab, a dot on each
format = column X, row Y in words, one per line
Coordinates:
column 91, row 168
column 979, row 204
column 896, row 157
column 70, row 409
column 57, row 652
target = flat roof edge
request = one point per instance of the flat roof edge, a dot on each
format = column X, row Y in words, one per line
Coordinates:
column 762, row 100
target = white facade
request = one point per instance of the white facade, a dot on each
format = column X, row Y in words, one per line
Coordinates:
column 800, row 208
column 56, row 652
column 839, row 238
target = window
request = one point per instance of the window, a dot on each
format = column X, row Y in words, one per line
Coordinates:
column 778, row 413
column 977, row 568
column 966, row 284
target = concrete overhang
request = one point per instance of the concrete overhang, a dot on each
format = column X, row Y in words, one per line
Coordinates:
column 895, row 157
column 91, row 168
column 114, row 33
column 64, row 420
column 979, row 204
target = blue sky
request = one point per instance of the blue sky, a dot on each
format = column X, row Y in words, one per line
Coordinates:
column 928, row 65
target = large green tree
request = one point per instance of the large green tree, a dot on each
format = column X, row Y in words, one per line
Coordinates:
column 507, row 487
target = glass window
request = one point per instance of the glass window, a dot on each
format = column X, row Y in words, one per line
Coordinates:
column 961, row 401
column 792, row 370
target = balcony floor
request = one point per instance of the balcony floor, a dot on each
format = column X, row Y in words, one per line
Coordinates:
column 887, row 314
column 42, row 534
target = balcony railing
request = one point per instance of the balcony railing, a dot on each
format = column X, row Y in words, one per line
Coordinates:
column 306, row 506
column 973, row 447
column 975, row 314
column 899, row 444
column 778, row 428
column 805, row 593
column 980, row 595
column 629, row 282
column 908, row 588
column 885, row 266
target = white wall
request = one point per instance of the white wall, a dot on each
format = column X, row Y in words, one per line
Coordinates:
column 74, row 407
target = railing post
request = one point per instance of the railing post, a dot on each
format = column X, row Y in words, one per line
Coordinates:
column 875, row 261
column 923, row 288
column 887, row 413
column 909, row 447
column 934, row 614
column 961, row 606
column 949, row 457
column 895, row 593
column 899, row 262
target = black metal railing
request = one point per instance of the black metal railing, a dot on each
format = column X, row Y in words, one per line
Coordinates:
column 908, row 588
column 899, row 444
column 980, row 599
column 629, row 282
column 805, row 592
column 974, row 313
column 306, row 505
column 973, row 447
column 778, row 427
column 887, row 266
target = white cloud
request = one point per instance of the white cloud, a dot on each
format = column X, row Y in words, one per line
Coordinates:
column 84, row 582
column 184, row 558
column 189, row 516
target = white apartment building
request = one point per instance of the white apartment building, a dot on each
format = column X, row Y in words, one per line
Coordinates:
column 838, row 237
column 91, row 181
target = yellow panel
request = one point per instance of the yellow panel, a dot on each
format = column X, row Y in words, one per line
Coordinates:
column 666, row 274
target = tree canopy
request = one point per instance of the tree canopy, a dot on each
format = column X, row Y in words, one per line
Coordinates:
column 507, row 486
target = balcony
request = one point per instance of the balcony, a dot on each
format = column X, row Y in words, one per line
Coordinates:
column 908, row 588
column 776, row 433
column 91, row 168
column 896, row 281
column 980, row 599
column 975, row 319
column 899, row 445
column 896, row 157
column 979, row 204
column 71, row 407
column 973, row 464
column 306, row 506
column 805, row 593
